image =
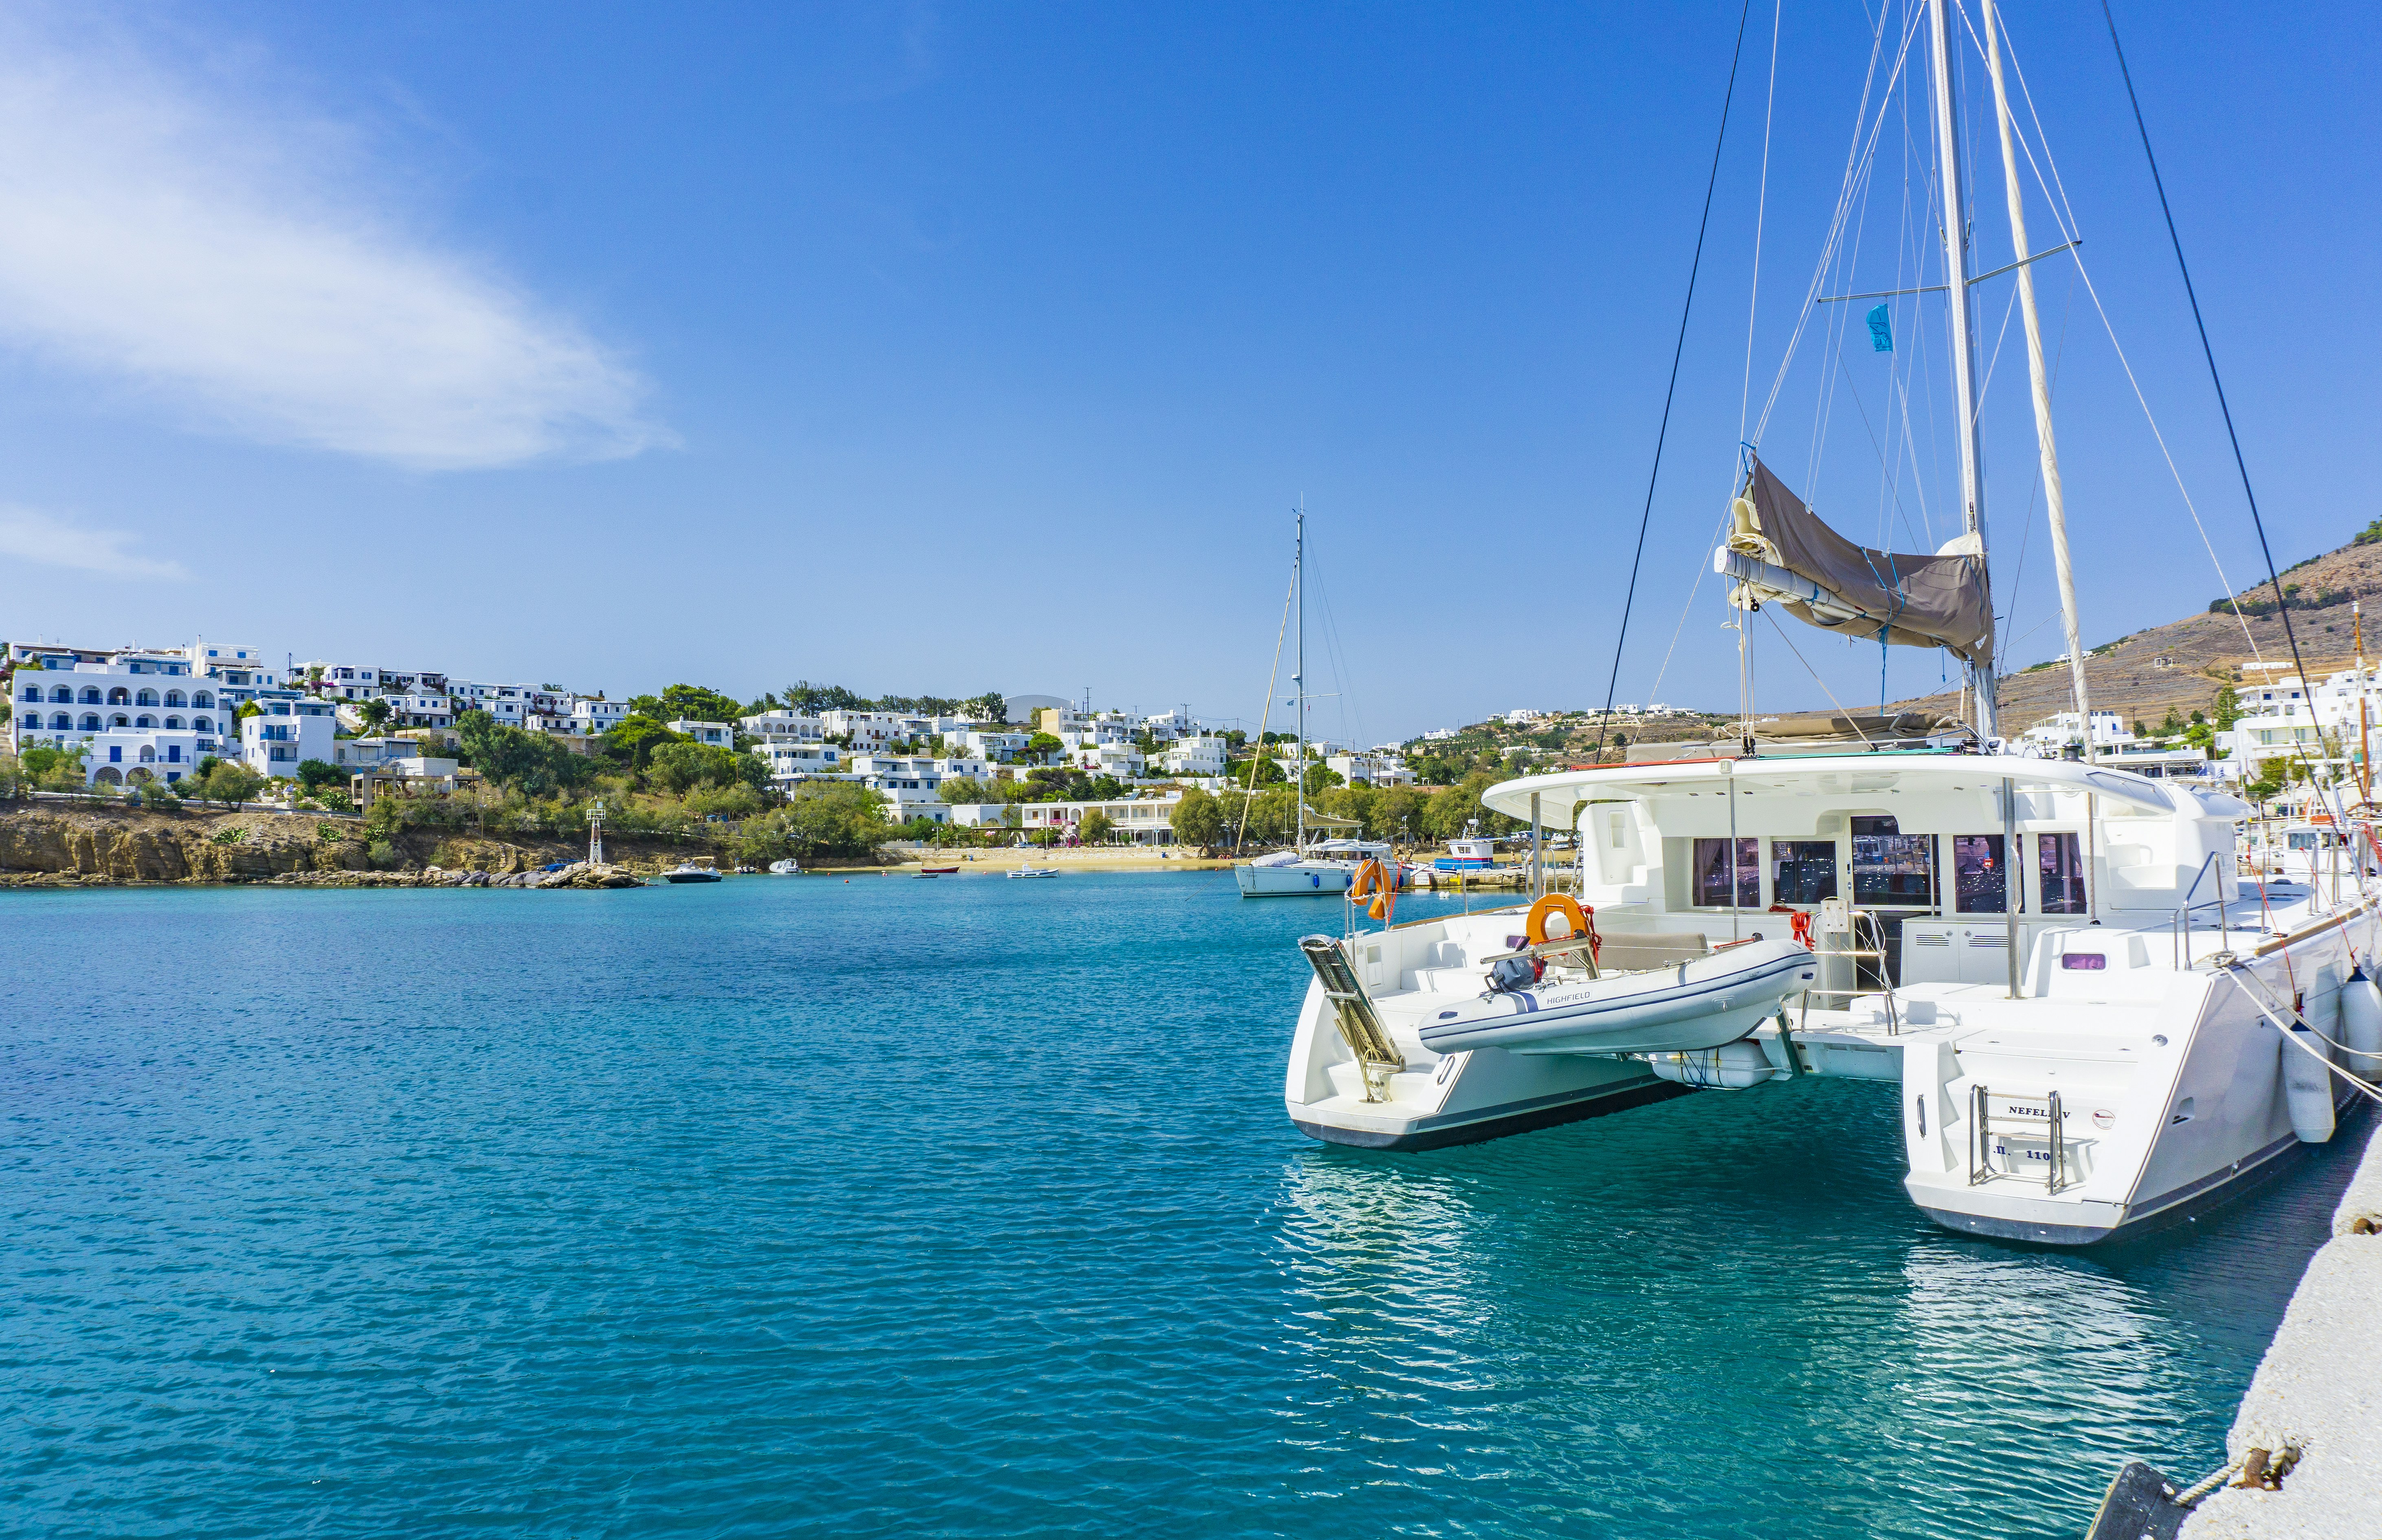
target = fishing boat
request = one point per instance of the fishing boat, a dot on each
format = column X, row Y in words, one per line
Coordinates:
column 2091, row 1026
column 939, row 871
column 786, row 868
column 1034, row 872
column 690, row 872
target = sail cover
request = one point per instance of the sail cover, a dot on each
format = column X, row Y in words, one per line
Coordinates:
column 1916, row 601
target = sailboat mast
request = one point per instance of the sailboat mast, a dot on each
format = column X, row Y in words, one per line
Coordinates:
column 1964, row 342
column 1298, row 680
column 2054, row 496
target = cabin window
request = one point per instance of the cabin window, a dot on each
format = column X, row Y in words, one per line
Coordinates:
column 1979, row 876
column 1892, row 869
column 1803, row 871
column 2059, row 867
column 1713, row 862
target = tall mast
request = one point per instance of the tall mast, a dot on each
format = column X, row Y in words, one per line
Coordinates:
column 1298, row 680
column 1964, row 342
column 2044, row 439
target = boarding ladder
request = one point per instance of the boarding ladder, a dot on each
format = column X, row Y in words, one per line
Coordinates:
column 2046, row 1124
column 1856, row 922
column 1377, row 1060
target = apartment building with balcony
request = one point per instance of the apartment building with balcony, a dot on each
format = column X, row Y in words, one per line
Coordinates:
column 285, row 734
column 138, row 716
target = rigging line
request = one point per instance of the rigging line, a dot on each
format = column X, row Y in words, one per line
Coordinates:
column 1761, row 215
column 2240, row 463
column 1854, row 391
column 1266, row 712
column 1678, row 349
column 1817, row 681
column 2068, row 229
column 1856, row 156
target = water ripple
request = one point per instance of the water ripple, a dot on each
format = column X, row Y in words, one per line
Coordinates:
column 965, row 1209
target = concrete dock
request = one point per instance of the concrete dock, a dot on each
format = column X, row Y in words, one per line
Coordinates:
column 2316, row 1404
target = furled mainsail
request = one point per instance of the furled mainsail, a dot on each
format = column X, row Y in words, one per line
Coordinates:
column 1779, row 552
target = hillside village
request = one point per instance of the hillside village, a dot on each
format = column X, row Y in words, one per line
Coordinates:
column 818, row 769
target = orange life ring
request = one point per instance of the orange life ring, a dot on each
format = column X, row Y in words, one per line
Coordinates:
column 1578, row 922
column 1380, row 882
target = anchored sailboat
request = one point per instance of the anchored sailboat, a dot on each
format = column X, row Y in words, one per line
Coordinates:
column 2094, row 1025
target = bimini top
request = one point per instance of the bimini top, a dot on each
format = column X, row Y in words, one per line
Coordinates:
column 1848, row 775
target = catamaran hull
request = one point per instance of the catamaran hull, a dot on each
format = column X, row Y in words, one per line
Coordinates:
column 1479, row 1127
column 1469, row 1098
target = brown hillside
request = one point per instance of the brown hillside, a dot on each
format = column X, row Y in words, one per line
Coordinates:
column 2183, row 664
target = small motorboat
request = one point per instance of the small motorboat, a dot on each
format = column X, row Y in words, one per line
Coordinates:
column 1034, row 872
column 690, row 872
column 786, row 868
column 939, row 871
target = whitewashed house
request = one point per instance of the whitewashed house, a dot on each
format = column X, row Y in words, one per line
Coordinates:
column 719, row 735
column 1198, row 755
column 285, row 734
column 785, row 727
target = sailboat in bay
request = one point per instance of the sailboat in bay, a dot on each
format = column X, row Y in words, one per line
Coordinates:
column 1328, row 865
column 2091, row 1026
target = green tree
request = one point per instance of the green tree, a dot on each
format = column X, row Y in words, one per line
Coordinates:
column 1041, row 746
column 811, row 699
column 1198, row 819
column 1318, row 777
column 634, row 740
column 987, row 707
column 966, row 788
column 692, row 703
column 226, row 783
column 1095, row 827
column 374, row 715
column 316, row 774
column 2227, row 709
column 841, row 818
column 2172, row 724
column 247, row 709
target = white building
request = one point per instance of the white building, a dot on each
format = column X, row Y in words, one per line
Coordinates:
column 285, row 734
column 785, row 727
column 864, row 730
column 344, row 682
column 2061, row 728
column 999, row 747
column 1370, row 769
column 416, row 710
column 717, row 734
column 1147, row 820
column 1197, row 756
column 791, row 761
column 1121, row 759
column 911, row 784
column 140, row 716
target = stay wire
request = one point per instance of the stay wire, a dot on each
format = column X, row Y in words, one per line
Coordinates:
column 2241, row 462
column 1678, row 349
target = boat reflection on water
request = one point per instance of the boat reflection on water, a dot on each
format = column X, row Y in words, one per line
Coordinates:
column 1701, row 1309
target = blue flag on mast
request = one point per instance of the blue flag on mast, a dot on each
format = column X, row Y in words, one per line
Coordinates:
column 1881, row 331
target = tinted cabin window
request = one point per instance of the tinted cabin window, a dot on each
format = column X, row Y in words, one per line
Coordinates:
column 1979, row 876
column 2059, row 865
column 1891, row 869
column 1712, row 872
column 1803, row 871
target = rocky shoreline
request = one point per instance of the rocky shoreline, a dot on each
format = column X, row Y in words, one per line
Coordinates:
column 46, row 846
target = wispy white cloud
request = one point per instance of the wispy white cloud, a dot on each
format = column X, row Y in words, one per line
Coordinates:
column 160, row 230
column 29, row 535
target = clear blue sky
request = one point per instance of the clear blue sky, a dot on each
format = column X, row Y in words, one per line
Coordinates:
column 938, row 348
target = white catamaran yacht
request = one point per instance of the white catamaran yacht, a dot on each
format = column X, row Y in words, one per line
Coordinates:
column 2092, row 1024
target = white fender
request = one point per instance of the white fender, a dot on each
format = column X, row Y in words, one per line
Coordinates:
column 1737, row 1065
column 2361, row 1027
column 2307, row 1086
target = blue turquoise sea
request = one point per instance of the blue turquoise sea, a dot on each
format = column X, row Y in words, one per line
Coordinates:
column 968, row 1207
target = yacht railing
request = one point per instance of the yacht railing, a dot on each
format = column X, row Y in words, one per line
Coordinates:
column 1980, row 1136
column 1858, row 919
